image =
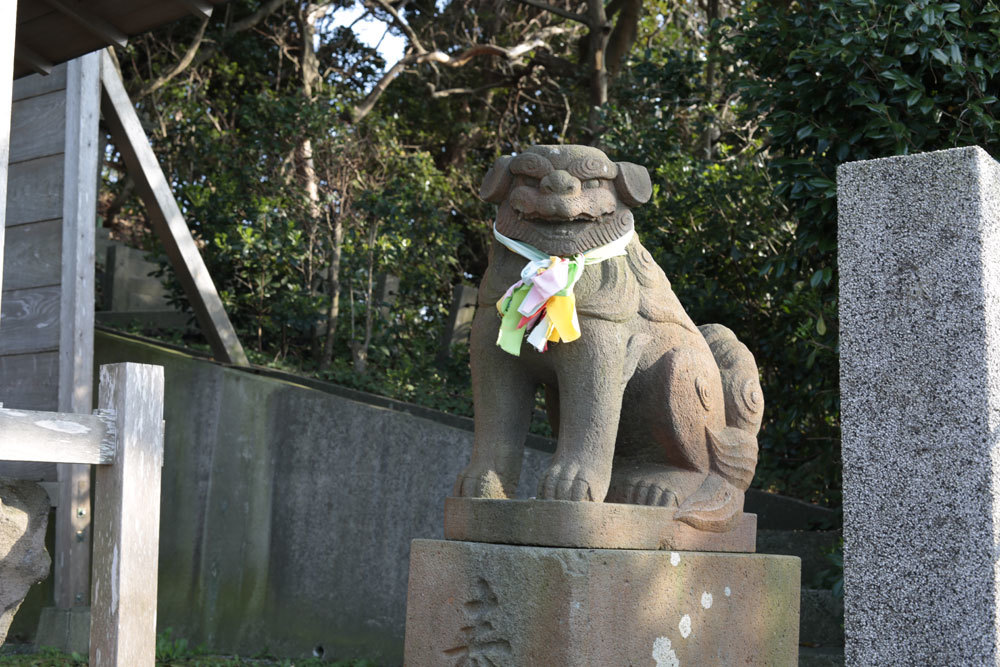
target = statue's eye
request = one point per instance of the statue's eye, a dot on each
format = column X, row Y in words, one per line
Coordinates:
column 529, row 181
column 592, row 183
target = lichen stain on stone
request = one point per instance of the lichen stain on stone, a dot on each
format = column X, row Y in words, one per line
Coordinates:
column 685, row 626
column 663, row 654
column 706, row 600
column 63, row 426
column 728, row 592
column 675, row 558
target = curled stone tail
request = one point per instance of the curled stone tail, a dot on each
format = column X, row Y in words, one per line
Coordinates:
column 718, row 503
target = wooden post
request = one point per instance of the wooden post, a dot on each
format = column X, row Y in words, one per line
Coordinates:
column 8, row 28
column 76, row 321
column 127, row 524
column 166, row 217
column 459, row 325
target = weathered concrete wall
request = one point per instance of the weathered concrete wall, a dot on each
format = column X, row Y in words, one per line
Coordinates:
column 287, row 512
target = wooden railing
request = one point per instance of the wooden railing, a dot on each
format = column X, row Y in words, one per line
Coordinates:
column 124, row 439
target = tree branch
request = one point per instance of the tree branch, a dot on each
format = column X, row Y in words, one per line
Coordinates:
column 255, row 18
column 366, row 105
column 572, row 16
column 181, row 64
column 447, row 92
column 623, row 35
column 398, row 21
column 206, row 53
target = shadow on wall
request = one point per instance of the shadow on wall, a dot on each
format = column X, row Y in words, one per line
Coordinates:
column 287, row 512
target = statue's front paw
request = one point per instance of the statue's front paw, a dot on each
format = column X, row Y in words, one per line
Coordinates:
column 476, row 483
column 569, row 482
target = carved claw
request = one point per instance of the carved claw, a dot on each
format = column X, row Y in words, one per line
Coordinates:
column 653, row 495
column 565, row 483
column 484, row 484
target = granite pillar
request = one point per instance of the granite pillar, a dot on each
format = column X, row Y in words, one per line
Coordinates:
column 919, row 261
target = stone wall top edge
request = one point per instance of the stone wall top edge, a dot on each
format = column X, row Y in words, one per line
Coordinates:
column 290, row 380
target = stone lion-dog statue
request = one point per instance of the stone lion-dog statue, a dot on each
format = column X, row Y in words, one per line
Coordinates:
column 647, row 407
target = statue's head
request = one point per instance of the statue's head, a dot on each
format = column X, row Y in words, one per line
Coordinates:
column 565, row 199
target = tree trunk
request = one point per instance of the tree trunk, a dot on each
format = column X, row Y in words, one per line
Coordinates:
column 309, row 67
column 710, row 132
column 600, row 31
column 359, row 350
column 333, row 285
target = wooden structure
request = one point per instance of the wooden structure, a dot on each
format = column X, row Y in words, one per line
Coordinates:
column 165, row 216
column 54, row 31
column 125, row 440
column 46, row 318
column 48, row 178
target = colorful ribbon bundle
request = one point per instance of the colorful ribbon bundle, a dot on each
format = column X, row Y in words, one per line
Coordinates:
column 542, row 301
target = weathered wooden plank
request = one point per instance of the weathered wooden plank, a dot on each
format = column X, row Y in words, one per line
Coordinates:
column 30, row 381
column 76, row 321
column 35, row 190
column 38, row 126
column 57, row 437
column 71, row 564
column 29, row 470
column 30, row 320
column 8, row 23
column 126, row 526
column 33, row 255
column 36, row 84
column 34, row 60
column 166, row 218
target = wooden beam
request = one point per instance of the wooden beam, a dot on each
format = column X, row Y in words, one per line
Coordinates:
column 35, row 61
column 8, row 28
column 57, row 437
column 76, row 320
column 93, row 23
column 166, row 217
column 28, row 470
column 201, row 8
column 127, row 523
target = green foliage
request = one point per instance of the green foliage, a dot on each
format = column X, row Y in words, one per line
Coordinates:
column 832, row 577
column 45, row 657
column 741, row 123
column 171, row 652
column 833, row 82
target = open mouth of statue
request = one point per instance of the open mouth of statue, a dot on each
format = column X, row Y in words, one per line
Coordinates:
column 561, row 228
column 563, row 235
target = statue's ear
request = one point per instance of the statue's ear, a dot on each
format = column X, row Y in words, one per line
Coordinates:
column 497, row 181
column 632, row 184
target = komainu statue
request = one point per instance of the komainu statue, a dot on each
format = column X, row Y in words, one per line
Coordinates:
column 647, row 407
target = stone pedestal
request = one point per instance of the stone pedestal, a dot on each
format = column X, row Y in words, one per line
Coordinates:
column 478, row 603
column 566, row 523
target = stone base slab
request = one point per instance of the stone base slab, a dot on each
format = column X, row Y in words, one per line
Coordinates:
column 472, row 603
column 565, row 523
